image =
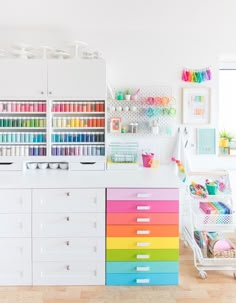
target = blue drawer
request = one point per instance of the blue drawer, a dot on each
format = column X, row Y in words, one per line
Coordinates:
column 142, row 267
column 142, row 279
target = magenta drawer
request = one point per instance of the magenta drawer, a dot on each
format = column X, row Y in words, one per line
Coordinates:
column 127, row 206
column 142, row 194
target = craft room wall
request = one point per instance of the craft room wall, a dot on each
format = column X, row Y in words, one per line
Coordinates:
column 144, row 42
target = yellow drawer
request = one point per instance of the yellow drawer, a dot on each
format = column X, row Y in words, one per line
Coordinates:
column 141, row 242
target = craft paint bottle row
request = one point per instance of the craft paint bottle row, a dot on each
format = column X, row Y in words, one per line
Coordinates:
column 78, row 137
column 78, row 122
column 78, row 107
column 22, row 137
column 23, row 150
column 23, row 106
column 22, row 122
column 78, row 150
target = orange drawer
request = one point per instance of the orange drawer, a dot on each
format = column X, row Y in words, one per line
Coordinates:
column 143, row 218
column 142, row 231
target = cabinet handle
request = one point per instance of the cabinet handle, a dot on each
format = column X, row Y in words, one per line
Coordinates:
column 143, row 232
column 142, row 268
column 67, row 267
column 142, row 256
column 67, row 243
column 142, row 244
column 143, row 220
column 68, row 194
column 68, row 218
column 145, row 195
column 143, row 207
column 41, row 92
column 50, row 92
column 142, row 281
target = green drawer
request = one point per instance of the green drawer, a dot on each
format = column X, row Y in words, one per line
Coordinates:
column 142, row 255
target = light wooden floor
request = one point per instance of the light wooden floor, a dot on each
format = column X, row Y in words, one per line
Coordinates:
column 219, row 287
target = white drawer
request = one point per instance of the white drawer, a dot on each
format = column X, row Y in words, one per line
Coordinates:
column 69, row 225
column 69, row 200
column 15, row 225
column 15, row 201
column 15, row 273
column 69, row 273
column 73, row 249
column 15, row 250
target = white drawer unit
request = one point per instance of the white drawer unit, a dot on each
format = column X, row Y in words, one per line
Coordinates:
column 69, row 273
column 15, row 273
column 15, row 201
column 74, row 249
column 15, row 225
column 68, row 200
column 69, row 225
column 14, row 250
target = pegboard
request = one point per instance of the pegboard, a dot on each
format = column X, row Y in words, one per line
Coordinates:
column 119, row 108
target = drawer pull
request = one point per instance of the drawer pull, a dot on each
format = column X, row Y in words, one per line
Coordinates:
column 67, row 267
column 143, row 207
column 142, row 244
column 68, row 218
column 142, row 281
column 142, row 256
column 144, row 195
column 68, row 194
column 143, row 232
column 67, row 243
column 143, row 219
column 142, row 268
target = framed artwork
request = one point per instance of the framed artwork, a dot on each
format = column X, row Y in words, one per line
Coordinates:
column 115, row 125
column 196, row 105
column 206, row 141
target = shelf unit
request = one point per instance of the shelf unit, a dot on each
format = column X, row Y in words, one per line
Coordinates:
column 223, row 224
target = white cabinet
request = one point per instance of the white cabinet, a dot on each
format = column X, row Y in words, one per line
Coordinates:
column 23, row 79
column 15, row 237
column 68, row 227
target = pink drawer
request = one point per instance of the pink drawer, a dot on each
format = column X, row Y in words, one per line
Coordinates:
column 142, row 206
column 142, row 194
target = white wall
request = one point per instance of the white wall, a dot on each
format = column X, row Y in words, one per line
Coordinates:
column 143, row 41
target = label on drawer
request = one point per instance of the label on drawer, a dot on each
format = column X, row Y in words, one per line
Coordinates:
column 143, row 219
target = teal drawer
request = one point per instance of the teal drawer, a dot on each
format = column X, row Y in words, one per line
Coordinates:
column 142, row 267
column 142, row 279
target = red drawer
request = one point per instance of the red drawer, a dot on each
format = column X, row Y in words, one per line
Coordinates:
column 142, row 218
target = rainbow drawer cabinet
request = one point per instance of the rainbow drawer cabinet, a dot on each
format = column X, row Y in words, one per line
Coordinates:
column 142, row 236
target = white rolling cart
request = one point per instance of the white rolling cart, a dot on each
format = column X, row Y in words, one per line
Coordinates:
column 196, row 222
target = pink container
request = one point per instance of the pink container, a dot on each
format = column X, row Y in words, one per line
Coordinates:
column 148, row 160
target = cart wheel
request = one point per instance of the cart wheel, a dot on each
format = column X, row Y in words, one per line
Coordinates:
column 234, row 275
column 202, row 274
column 185, row 243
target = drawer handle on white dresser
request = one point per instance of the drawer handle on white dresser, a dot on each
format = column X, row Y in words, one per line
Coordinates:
column 142, row 256
column 143, row 219
column 143, row 232
column 142, row 268
column 142, row 281
column 68, row 194
column 67, row 243
column 143, row 207
column 142, row 244
column 68, row 218
column 143, row 195
column 67, row 267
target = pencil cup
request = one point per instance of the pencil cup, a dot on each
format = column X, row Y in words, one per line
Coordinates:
column 148, row 160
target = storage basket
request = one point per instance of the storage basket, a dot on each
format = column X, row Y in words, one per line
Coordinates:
column 229, row 253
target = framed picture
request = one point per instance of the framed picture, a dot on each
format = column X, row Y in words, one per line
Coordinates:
column 206, row 141
column 115, row 125
column 196, row 105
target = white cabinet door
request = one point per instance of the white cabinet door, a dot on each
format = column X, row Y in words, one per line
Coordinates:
column 15, row 273
column 77, row 79
column 15, row 225
column 23, row 79
column 69, row 273
column 68, row 200
column 15, row 201
column 73, row 249
column 69, row 225
column 13, row 250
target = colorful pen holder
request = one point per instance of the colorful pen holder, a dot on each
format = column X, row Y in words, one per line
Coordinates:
column 211, row 189
column 148, row 160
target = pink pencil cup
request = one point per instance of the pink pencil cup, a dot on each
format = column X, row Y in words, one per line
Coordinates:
column 148, row 160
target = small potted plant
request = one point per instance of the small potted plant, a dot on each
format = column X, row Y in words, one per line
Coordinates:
column 127, row 94
column 225, row 138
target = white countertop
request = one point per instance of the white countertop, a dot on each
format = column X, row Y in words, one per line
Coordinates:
column 163, row 176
